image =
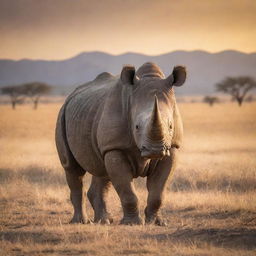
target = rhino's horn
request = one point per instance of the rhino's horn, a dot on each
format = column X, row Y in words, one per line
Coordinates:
column 155, row 131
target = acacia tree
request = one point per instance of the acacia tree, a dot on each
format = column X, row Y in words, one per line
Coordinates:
column 35, row 90
column 210, row 100
column 237, row 87
column 15, row 92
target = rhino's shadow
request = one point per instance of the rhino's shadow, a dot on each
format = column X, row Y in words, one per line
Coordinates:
column 240, row 238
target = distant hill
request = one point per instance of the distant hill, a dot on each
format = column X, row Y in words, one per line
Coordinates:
column 204, row 69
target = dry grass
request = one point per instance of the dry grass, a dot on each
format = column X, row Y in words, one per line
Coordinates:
column 210, row 206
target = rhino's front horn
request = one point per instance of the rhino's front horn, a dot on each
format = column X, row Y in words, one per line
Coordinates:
column 155, row 131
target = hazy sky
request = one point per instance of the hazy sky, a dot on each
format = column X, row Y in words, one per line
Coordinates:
column 58, row 29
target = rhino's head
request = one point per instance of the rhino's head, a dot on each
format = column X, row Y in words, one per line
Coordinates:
column 152, row 107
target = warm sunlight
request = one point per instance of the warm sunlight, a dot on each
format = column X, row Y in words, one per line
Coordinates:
column 40, row 30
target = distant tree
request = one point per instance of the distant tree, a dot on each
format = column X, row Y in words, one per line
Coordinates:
column 35, row 90
column 210, row 100
column 237, row 87
column 15, row 92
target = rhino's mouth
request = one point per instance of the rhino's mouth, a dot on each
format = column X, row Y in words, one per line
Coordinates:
column 154, row 153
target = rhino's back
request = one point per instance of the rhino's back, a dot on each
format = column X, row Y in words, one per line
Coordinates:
column 82, row 113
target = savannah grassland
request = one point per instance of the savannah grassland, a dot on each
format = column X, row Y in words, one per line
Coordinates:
column 210, row 205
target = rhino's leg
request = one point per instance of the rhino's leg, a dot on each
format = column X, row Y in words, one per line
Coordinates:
column 74, row 172
column 75, row 183
column 156, row 185
column 120, row 174
column 97, row 196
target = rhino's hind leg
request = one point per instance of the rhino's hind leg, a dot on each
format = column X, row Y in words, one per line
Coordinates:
column 74, row 172
column 97, row 196
column 75, row 183
column 119, row 171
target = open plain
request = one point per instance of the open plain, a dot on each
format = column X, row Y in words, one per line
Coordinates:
column 210, row 205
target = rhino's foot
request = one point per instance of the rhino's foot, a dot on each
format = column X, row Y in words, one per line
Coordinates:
column 156, row 221
column 78, row 218
column 132, row 221
column 105, row 220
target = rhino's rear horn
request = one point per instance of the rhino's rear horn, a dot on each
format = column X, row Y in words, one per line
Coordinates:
column 155, row 131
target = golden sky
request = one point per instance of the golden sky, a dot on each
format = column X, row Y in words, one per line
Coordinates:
column 59, row 29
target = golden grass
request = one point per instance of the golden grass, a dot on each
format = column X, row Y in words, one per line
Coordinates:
column 210, row 206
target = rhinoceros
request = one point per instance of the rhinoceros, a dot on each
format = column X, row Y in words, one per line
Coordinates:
column 118, row 128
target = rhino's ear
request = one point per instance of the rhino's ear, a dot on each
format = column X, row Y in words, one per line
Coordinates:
column 127, row 74
column 179, row 75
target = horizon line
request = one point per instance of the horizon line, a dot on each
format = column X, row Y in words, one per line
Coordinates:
column 128, row 52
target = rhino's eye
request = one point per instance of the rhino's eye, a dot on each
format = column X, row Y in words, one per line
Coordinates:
column 137, row 127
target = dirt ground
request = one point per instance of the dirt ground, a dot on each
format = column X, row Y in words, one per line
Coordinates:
column 28, row 229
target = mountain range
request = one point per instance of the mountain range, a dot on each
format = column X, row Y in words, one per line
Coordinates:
column 204, row 69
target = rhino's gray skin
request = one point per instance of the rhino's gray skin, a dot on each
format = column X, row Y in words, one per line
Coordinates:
column 117, row 129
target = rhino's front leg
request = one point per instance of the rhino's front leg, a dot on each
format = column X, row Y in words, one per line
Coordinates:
column 120, row 174
column 156, row 184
